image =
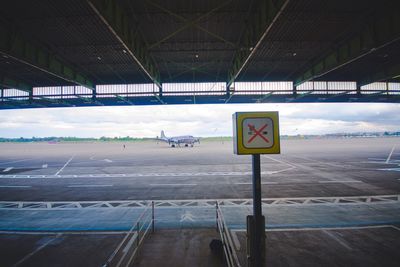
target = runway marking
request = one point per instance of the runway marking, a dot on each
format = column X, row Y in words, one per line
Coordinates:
column 324, row 163
column 14, row 161
column 248, row 183
column 390, row 169
column 343, row 182
column 280, row 161
column 91, row 185
column 187, row 216
column 390, row 154
column 15, row 186
column 108, row 160
column 36, row 250
column 64, row 233
column 65, row 165
column 8, row 169
column 180, row 174
column 322, row 228
column 305, row 201
column 173, row 184
column 337, row 239
column 44, row 166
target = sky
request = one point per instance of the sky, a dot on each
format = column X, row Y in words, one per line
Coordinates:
column 197, row 120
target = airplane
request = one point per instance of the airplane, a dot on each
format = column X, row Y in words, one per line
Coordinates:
column 187, row 140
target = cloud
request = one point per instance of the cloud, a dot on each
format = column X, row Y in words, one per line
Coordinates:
column 199, row 120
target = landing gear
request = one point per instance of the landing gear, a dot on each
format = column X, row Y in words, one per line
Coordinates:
column 186, row 145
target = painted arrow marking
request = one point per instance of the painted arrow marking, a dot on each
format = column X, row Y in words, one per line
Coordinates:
column 187, row 216
column 8, row 169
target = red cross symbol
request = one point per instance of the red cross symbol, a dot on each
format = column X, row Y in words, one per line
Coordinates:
column 257, row 133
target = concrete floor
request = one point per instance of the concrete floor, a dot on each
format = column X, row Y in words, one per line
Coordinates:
column 76, row 172
column 179, row 248
column 56, row 249
column 364, row 246
column 104, row 171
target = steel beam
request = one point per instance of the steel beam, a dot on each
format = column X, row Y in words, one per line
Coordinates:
column 13, row 45
column 257, row 28
column 8, row 82
column 190, row 23
column 387, row 73
column 381, row 31
column 117, row 21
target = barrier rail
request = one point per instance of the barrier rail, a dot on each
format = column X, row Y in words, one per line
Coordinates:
column 229, row 249
column 127, row 249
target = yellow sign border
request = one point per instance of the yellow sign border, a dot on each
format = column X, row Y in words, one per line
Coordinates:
column 239, row 148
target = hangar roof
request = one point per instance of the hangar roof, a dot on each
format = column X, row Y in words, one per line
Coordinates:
column 96, row 42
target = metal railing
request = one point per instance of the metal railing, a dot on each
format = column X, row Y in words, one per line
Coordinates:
column 127, row 249
column 226, row 238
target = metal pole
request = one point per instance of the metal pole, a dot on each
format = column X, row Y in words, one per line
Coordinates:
column 216, row 214
column 152, row 216
column 138, row 233
column 257, row 211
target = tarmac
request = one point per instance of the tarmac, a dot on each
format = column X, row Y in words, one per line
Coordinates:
column 53, row 195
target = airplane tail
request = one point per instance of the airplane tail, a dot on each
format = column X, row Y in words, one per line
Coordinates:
column 163, row 135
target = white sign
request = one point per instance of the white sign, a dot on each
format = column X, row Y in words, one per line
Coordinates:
column 258, row 132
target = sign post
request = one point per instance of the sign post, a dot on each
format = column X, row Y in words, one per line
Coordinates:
column 256, row 133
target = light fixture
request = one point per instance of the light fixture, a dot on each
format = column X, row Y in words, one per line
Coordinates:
column 124, row 51
column 99, row 58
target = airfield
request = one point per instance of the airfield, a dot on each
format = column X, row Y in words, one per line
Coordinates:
column 340, row 195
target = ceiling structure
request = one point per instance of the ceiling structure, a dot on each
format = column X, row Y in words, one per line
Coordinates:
column 88, row 43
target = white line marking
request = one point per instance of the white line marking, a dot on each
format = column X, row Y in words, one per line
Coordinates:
column 44, row 166
column 323, row 228
column 173, row 184
column 397, row 228
column 65, row 165
column 15, row 186
column 283, row 162
column 36, row 250
column 8, row 169
column 378, row 159
column 261, row 183
column 235, row 240
column 91, row 185
column 108, row 160
column 324, row 163
column 344, row 182
column 337, row 239
column 390, row 155
column 14, row 161
column 64, row 233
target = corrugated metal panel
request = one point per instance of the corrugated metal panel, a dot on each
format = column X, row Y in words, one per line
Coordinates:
column 261, row 88
column 217, row 88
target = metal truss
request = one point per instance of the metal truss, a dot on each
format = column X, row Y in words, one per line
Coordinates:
column 257, row 28
column 378, row 33
column 13, row 45
column 387, row 73
column 83, row 100
column 9, row 82
column 118, row 22
column 67, row 205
